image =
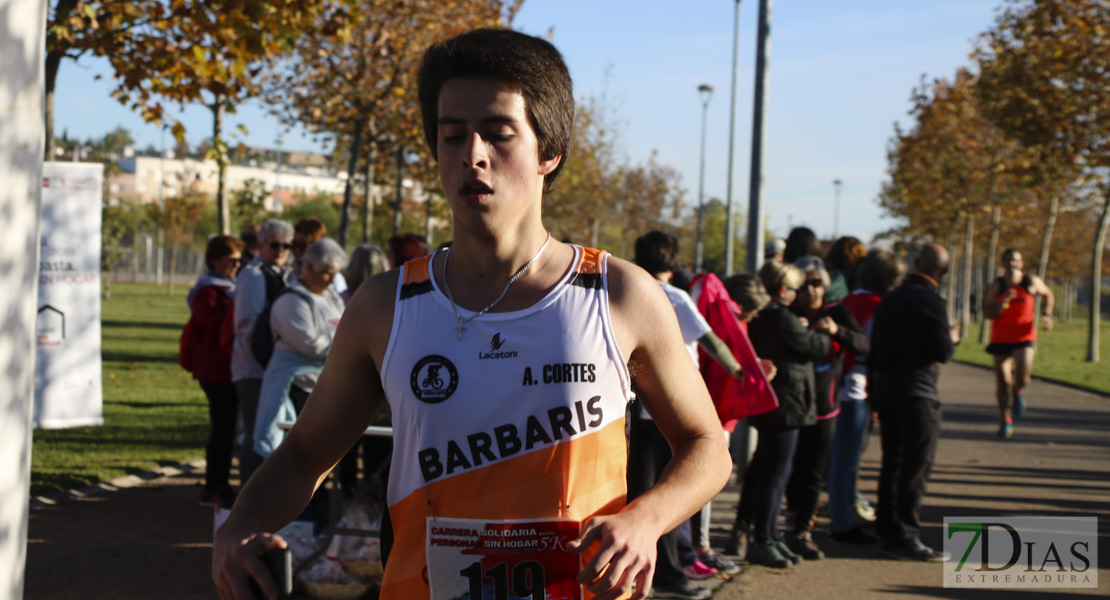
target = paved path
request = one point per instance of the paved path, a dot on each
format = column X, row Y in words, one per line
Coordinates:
column 153, row 541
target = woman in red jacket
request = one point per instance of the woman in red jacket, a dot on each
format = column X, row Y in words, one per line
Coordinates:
column 209, row 301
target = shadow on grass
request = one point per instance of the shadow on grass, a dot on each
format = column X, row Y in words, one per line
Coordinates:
column 137, row 358
column 141, row 325
column 150, row 405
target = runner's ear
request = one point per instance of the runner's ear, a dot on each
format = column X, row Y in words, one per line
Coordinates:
column 547, row 166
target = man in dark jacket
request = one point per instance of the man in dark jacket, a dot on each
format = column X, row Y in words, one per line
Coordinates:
column 910, row 338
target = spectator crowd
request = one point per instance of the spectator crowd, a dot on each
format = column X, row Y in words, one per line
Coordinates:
column 784, row 353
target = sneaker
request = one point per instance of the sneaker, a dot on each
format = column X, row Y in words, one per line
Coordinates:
column 864, row 510
column 1006, row 429
column 722, row 564
column 1019, row 405
column 699, row 570
column 682, row 590
column 768, row 555
column 913, row 550
column 221, row 496
column 737, row 544
column 802, row 544
column 786, row 552
column 855, row 536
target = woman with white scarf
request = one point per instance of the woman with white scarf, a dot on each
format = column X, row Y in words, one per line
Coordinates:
column 303, row 320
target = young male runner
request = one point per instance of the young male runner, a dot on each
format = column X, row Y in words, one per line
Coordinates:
column 507, row 362
column 1010, row 302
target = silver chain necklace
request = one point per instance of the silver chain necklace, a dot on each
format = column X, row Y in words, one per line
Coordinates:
column 447, row 287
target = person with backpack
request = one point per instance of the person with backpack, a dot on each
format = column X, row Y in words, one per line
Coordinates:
column 258, row 285
column 303, row 321
column 209, row 302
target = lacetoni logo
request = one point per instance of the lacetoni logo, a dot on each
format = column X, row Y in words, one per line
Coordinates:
column 1022, row 552
column 494, row 349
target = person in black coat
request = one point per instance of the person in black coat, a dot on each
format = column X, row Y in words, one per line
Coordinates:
column 778, row 335
column 910, row 337
column 811, row 457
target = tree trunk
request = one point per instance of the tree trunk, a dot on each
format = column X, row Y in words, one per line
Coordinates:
column 53, row 61
column 595, row 233
column 1096, row 281
column 968, row 275
column 173, row 269
column 224, row 212
column 951, row 293
column 1046, row 245
column 368, row 203
column 1071, row 293
column 988, row 272
column 949, row 282
column 348, row 188
column 400, row 152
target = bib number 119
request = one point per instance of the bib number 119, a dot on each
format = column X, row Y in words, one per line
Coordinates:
column 526, row 583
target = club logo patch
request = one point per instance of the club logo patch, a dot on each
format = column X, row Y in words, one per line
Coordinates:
column 434, row 379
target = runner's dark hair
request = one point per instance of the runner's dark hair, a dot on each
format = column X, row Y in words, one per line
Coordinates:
column 530, row 64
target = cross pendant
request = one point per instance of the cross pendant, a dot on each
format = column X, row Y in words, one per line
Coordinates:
column 460, row 329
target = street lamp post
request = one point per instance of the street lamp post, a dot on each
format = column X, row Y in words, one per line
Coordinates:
column 730, row 225
column 837, row 184
column 759, row 127
column 705, row 92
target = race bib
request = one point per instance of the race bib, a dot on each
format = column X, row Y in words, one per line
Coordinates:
column 502, row 560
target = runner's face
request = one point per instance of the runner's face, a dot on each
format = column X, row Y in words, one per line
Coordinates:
column 488, row 153
column 1014, row 262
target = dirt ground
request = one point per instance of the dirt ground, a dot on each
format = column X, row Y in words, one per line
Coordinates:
column 151, row 540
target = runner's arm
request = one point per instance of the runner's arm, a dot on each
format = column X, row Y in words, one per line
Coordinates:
column 343, row 402
column 992, row 304
column 1041, row 288
column 672, row 391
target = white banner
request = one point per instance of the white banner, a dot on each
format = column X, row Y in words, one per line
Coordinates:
column 68, row 389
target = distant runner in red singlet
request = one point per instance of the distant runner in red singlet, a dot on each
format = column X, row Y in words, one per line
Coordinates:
column 1010, row 302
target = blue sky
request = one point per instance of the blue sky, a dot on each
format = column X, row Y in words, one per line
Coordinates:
column 840, row 76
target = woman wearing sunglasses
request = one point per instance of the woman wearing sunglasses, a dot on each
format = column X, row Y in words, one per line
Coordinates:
column 259, row 284
column 209, row 301
column 811, row 457
column 779, row 336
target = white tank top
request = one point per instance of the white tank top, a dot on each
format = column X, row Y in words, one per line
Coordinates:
column 523, row 418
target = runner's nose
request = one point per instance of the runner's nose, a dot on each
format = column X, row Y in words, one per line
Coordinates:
column 475, row 154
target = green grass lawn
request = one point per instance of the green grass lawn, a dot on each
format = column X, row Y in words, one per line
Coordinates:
column 1061, row 355
column 154, row 412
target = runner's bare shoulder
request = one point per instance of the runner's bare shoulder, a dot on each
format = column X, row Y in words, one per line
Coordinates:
column 638, row 306
column 369, row 315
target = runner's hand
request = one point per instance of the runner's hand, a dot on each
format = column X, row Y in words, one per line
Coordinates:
column 625, row 555
column 1046, row 322
column 232, row 567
